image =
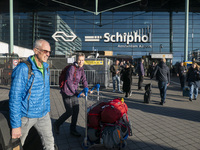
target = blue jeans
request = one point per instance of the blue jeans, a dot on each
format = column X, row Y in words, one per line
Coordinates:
column 116, row 77
column 163, row 88
column 44, row 128
column 193, row 89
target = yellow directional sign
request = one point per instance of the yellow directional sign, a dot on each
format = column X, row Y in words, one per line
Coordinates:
column 91, row 62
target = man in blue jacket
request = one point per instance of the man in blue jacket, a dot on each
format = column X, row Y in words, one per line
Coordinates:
column 29, row 101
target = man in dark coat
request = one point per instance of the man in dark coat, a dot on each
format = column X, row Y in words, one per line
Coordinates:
column 181, row 73
column 140, row 73
column 193, row 81
column 153, row 67
column 162, row 74
column 127, row 79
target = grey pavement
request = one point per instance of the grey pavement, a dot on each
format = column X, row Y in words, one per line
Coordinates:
column 174, row 126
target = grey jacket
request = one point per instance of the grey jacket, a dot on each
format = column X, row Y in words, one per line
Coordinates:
column 162, row 72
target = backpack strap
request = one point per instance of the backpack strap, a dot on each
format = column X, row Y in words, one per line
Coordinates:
column 30, row 73
column 29, row 68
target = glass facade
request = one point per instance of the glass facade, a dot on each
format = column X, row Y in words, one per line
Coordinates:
column 124, row 33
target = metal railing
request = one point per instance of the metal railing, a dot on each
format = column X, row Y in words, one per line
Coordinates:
column 5, row 76
column 55, row 73
column 1, row 75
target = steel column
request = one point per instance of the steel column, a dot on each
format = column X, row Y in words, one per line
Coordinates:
column 11, row 28
column 186, row 30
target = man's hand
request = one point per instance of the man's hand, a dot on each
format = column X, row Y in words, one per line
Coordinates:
column 82, row 94
column 177, row 74
column 167, row 84
column 90, row 91
column 16, row 133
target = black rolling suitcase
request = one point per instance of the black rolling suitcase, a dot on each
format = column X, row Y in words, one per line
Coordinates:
column 186, row 91
column 147, row 94
column 32, row 142
column 6, row 142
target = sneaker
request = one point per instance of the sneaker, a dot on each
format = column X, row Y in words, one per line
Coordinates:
column 195, row 99
column 190, row 99
column 56, row 128
column 75, row 133
column 113, row 91
column 130, row 94
column 161, row 103
column 120, row 91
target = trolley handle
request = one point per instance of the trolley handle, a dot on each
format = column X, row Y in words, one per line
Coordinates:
column 85, row 90
column 97, row 86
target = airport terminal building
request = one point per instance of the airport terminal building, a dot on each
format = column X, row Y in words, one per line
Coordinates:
column 133, row 32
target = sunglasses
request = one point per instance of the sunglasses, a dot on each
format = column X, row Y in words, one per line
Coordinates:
column 44, row 51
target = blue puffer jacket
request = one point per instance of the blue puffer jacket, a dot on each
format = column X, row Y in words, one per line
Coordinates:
column 39, row 101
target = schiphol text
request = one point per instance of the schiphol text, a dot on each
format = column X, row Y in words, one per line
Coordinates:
column 134, row 36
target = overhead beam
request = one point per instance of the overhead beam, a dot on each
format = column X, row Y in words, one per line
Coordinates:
column 73, row 6
column 96, row 6
column 119, row 6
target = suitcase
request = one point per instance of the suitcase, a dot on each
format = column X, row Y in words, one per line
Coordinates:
column 186, row 91
column 147, row 94
column 32, row 142
column 6, row 143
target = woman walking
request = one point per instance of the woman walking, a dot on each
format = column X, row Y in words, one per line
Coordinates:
column 127, row 79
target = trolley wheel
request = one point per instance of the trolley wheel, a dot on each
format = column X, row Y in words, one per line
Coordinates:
column 123, row 145
column 87, row 145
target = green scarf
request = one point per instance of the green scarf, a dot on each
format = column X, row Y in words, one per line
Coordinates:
column 40, row 68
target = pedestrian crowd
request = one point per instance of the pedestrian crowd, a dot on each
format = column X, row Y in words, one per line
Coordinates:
column 122, row 73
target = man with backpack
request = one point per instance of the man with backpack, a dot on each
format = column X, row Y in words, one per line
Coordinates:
column 181, row 73
column 73, row 75
column 29, row 97
column 162, row 74
column 140, row 73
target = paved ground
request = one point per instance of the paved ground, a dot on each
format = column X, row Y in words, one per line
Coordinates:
column 174, row 126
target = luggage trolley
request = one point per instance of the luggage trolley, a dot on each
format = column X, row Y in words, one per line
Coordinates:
column 86, row 143
column 89, row 134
